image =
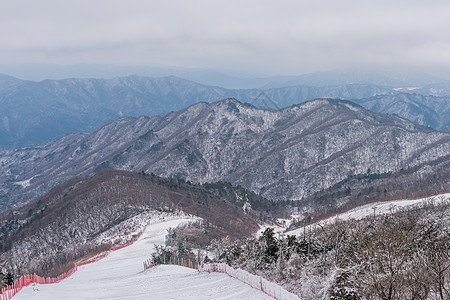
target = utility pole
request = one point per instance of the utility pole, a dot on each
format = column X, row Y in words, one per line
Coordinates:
column 304, row 230
column 14, row 264
column 309, row 239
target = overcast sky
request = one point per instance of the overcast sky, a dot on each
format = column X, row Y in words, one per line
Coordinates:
column 256, row 37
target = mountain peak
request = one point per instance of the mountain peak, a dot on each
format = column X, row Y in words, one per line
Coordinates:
column 286, row 154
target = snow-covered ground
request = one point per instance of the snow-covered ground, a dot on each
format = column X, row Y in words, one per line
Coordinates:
column 120, row 276
column 379, row 208
column 25, row 183
column 276, row 228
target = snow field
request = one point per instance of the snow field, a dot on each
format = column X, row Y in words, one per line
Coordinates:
column 120, row 275
column 381, row 208
column 257, row 282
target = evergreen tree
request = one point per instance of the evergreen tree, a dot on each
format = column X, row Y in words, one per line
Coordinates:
column 270, row 245
column 9, row 279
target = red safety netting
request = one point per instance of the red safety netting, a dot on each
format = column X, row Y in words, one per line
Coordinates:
column 9, row 291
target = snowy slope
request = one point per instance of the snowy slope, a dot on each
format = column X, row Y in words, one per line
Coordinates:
column 381, row 208
column 120, row 276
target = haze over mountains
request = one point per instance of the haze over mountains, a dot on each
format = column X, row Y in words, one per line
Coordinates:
column 227, row 79
column 34, row 112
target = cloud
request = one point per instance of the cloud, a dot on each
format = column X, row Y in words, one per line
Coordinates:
column 268, row 36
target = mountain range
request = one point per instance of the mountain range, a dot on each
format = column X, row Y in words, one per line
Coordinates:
column 427, row 110
column 373, row 77
column 34, row 112
column 289, row 154
column 224, row 78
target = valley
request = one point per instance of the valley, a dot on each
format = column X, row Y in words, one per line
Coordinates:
column 233, row 168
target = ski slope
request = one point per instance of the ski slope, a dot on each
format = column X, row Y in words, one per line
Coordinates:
column 120, row 275
column 378, row 208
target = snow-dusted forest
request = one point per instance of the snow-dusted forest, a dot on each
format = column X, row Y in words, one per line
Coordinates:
column 404, row 255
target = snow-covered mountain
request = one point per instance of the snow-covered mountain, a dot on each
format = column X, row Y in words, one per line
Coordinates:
column 34, row 112
column 288, row 154
column 423, row 109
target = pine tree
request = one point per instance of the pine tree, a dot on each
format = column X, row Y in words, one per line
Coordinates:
column 9, row 279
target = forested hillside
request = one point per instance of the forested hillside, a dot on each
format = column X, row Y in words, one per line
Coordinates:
column 404, row 255
column 85, row 215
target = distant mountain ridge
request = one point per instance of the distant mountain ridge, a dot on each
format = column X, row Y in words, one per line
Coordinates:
column 283, row 155
column 227, row 79
column 344, row 77
column 35, row 112
column 8, row 81
column 426, row 110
